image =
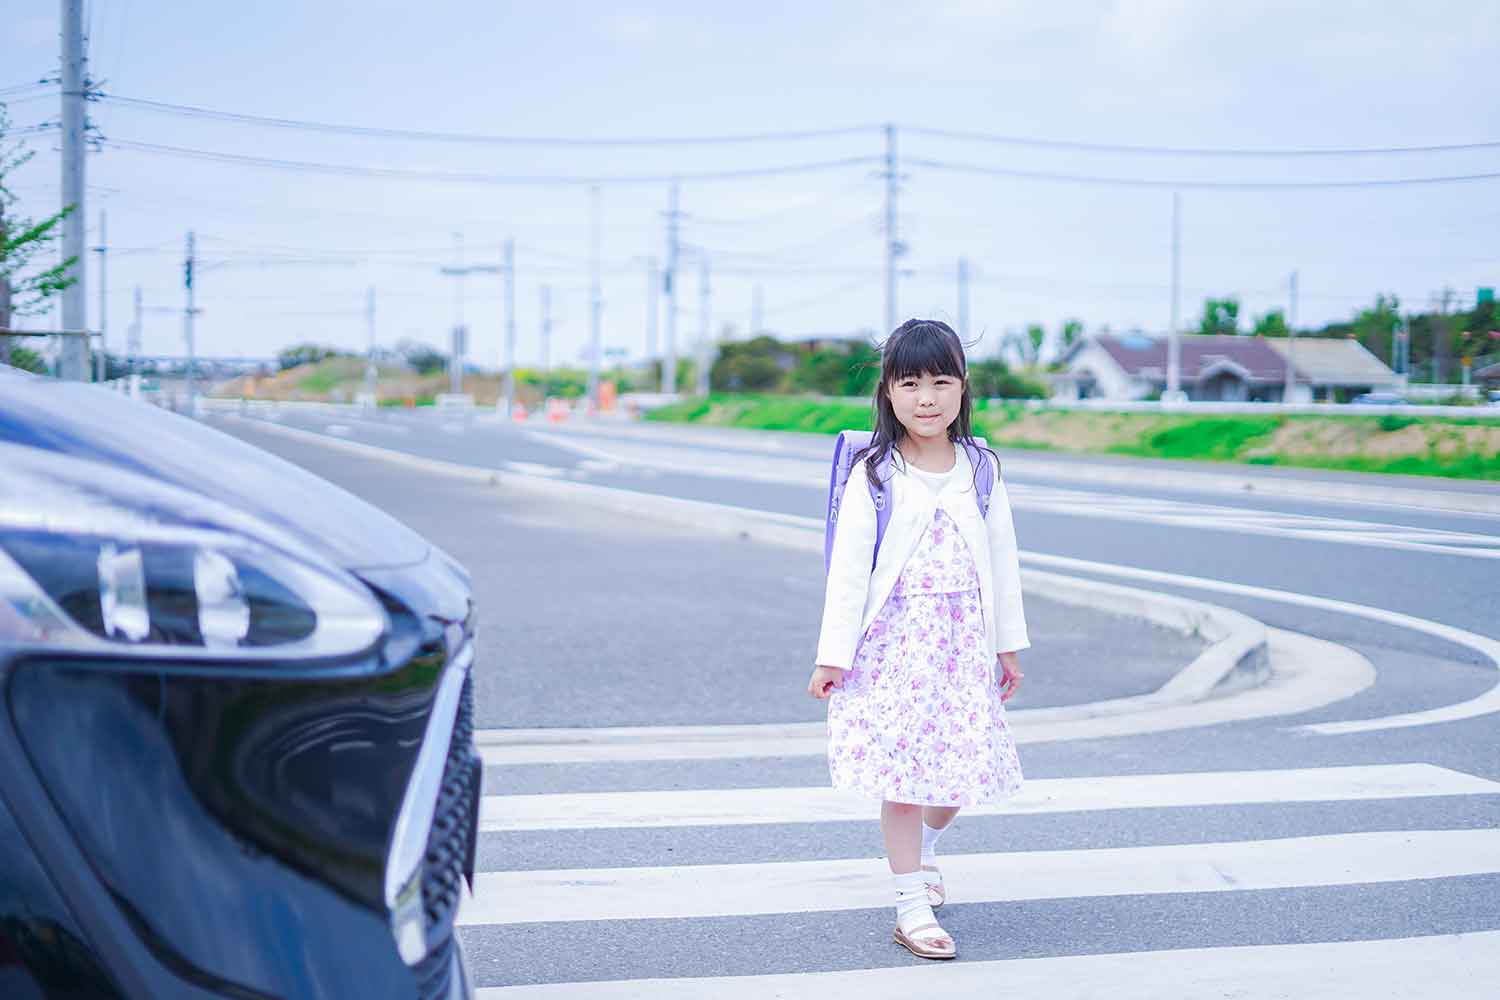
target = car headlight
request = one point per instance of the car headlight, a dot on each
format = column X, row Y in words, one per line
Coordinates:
column 92, row 555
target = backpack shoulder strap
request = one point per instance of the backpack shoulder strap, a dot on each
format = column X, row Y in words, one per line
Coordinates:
column 984, row 474
column 846, row 446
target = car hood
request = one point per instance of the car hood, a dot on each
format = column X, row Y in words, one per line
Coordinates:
column 88, row 422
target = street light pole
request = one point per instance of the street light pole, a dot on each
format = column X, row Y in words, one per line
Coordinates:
column 1174, row 346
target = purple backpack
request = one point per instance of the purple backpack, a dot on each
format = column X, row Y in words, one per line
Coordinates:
column 849, row 444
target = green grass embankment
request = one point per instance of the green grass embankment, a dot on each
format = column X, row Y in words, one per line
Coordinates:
column 1453, row 447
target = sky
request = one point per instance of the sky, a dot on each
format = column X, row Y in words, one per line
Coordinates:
column 288, row 254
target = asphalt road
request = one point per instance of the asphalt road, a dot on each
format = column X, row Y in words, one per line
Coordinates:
column 1174, row 887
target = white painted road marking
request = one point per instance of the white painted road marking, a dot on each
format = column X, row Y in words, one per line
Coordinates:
column 864, row 883
column 1307, row 673
column 746, row 806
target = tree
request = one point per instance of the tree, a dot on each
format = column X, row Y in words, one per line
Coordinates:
column 1272, row 324
column 1220, row 316
column 1374, row 327
column 847, row 370
column 25, row 283
column 303, row 354
column 754, row 365
column 1070, row 332
column 422, row 358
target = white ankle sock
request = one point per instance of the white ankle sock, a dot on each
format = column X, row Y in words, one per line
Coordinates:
column 929, row 843
column 911, row 898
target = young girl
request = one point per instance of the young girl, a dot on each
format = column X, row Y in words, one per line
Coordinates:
column 907, row 650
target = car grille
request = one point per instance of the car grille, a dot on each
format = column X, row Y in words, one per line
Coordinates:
column 450, row 847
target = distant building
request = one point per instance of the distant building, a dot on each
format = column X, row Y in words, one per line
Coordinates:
column 1225, row 368
column 1489, row 374
column 1327, row 364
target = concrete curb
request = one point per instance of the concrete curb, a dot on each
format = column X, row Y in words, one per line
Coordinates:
column 1235, row 659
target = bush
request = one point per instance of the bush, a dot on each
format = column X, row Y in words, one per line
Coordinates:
column 1395, row 422
column 1208, row 437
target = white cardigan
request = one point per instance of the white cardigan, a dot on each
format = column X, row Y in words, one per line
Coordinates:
column 854, row 594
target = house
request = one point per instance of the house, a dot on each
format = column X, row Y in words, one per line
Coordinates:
column 1226, row 368
column 1334, row 366
column 1489, row 374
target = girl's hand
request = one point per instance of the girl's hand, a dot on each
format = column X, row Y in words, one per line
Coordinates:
column 1010, row 666
column 824, row 680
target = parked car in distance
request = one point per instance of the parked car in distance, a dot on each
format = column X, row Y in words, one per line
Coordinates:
column 1380, row 399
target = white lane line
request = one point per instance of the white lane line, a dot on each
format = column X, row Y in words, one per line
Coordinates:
column 864, row 883
column 1307, row 673
column 748, row 806
column 1242, row 520
column 1452, row 966
column 1482, row 704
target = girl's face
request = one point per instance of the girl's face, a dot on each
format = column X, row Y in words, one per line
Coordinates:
column 926, row 404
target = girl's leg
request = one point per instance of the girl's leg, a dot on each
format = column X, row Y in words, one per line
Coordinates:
column 935, row 820
column 938, row 817
column 901, row 823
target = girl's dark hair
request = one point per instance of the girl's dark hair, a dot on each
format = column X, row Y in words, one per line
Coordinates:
column 916, row 347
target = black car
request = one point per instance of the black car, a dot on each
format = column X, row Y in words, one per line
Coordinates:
column 236, row 752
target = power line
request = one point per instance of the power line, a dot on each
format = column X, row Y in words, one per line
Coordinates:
column 1104, row 147
column 190, row 111
column 1184, row 184
column 351, row 170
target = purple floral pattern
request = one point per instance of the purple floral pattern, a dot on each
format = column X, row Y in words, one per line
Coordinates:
column 919, row 718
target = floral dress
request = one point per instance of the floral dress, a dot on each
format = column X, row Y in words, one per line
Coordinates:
column 919, row 717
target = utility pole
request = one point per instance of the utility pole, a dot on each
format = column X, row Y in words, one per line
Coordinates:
column 596, row 297
column 546, row 295
column 705, row 324
column 1440, row 345
column 370, row 372
column 893, row 247
column 757, row 309
column 188, row 315
column 103, row 251
column 509, row 361
column 963, row 299
column 460, row 334
column 669, row 287
column 1174, row 346
column 1291, row 340
column 653, row 308
column 133, row 335
column 74, row 96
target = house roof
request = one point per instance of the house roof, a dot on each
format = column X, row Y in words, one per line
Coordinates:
column 1334, row 360
column 1145, row 356
column 1488, row 372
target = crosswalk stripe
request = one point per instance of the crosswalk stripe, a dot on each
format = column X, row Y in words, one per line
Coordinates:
column 746, row 806
column 864, row 883
column 1452, row 966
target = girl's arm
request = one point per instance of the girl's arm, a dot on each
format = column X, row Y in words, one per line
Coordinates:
column 1010, row 618
column 848, row 574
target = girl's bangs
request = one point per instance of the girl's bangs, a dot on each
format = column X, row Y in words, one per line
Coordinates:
column 924, row 349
